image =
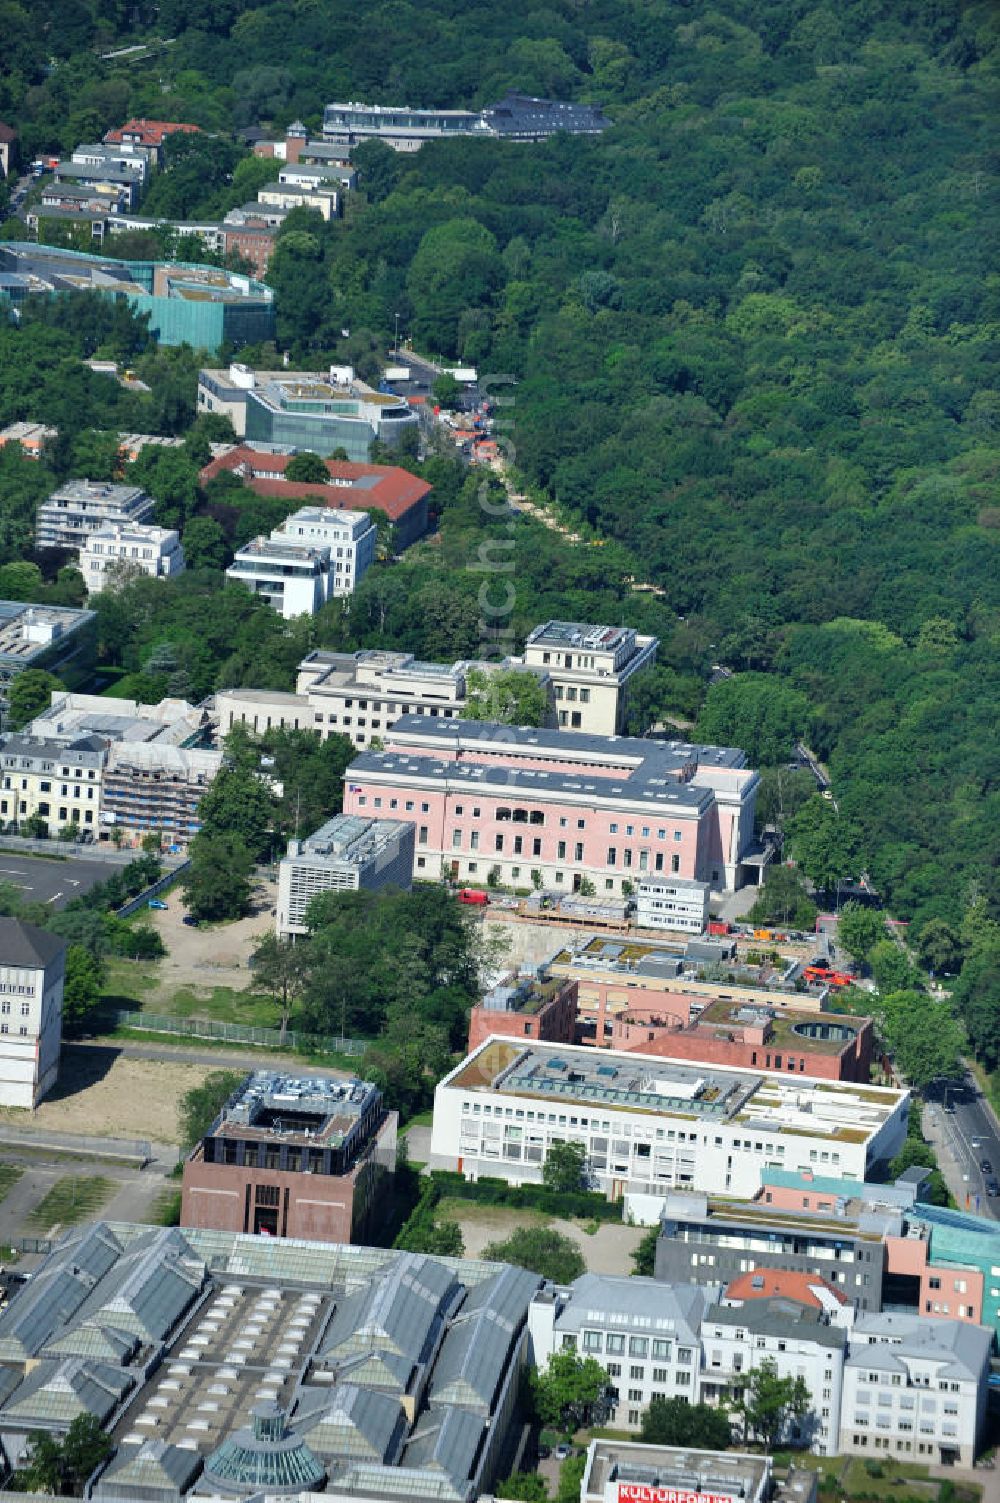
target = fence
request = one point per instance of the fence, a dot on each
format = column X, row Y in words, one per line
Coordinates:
column 14, row 1135
column 160, row 885
column 62, row 850
column 234, row 1033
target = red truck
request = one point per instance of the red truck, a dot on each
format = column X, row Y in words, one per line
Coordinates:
column 827, row 976
column 473, row 896
column 717, row 926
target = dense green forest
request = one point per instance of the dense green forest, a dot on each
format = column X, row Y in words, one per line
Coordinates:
column 753, row 330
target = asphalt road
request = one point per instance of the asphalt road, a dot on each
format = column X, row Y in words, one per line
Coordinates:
column 53, row 882
column 969, row 1135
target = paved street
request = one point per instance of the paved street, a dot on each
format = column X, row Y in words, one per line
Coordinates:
column 53, row 882
column 965, row 1137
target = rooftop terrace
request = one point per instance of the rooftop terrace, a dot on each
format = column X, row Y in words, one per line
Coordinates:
column 317, row 1111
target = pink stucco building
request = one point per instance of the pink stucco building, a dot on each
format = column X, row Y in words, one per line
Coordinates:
column 508, row 802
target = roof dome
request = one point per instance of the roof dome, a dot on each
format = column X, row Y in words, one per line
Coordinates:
column 265, row 1454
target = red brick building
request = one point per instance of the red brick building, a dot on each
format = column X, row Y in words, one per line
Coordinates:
column 289, row 1157
column 402, row 497
column 826, row 1046
column 532, row 1007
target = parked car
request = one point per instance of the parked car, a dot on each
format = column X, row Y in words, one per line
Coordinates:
column 190, row 920
column 992, row 1188
column 155, row 903
column 561, row 1452
column 985, row 1167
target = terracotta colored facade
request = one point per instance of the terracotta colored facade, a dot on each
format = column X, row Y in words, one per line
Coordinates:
column 280, row 1202
column 829, row 1047
column 552, row 1019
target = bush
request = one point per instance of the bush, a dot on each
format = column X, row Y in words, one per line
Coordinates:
column 585, row 1204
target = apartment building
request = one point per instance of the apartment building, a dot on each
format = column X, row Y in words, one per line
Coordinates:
column 292, row 579
column 916, row 1390
column 323, row 197
column 316, row 555
column 32, row 970
column 512, row 801
column 798, row 1340
column 82, row 507
column 148, row 136
column 653, row 1125
column 343, row 855
column 645, row 1335
column 592, row 668
column 350, row 537
column 292, row 1158
column 55, row 782
column 153, row 551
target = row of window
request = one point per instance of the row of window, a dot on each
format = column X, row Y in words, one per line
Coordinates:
column 22, row 1031
column 25, row 1009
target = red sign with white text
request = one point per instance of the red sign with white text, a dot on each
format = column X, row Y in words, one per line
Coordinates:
column 647, row 1492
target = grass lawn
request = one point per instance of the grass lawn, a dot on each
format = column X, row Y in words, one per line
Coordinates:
column 134, row 985
column 9, row 1176
column 71, row 1200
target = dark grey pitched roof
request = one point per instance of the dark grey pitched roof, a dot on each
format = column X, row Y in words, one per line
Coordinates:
column 25, row 945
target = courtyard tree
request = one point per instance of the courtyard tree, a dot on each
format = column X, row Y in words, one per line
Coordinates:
column 564, row 1166
column 570, row 1392
column 771, row 1402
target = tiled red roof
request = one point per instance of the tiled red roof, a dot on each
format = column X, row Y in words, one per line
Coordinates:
column 7, row 132
column 150, row 132
column 785, row 1283
column 394, row 492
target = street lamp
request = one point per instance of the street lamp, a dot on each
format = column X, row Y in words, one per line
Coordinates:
column 395, row 342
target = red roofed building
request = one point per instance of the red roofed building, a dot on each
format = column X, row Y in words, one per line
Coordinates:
column 402, row 497
column 149, row 134
column 807, row 1289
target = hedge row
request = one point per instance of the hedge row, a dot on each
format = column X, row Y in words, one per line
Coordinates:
column 584, row 1204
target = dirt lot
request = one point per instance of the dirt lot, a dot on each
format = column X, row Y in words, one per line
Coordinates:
column 100, row 1092
column 213, row 956
column 606, row 1251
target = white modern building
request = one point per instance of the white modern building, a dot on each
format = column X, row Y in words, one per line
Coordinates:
column 349, row 535
column 915, row 1389
column 646, row 1336
column 81, row 507
column 798, row 1341
column 343, row 855
column 316, row 555
column 153, row 551
column 292, row 578
column 592, row 668
column 32, row 970
column 651, row 1125
column 671, row 903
